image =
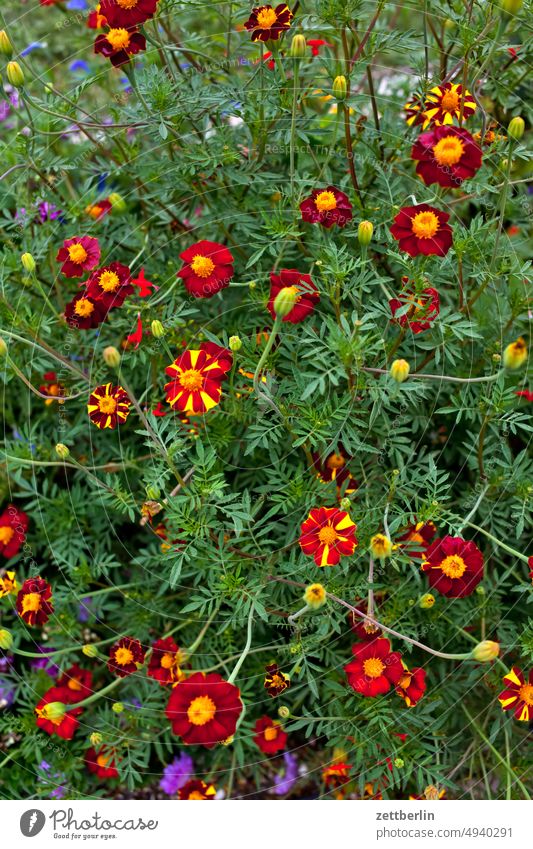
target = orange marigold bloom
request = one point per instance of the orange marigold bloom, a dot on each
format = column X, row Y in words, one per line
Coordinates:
column 276, row 682
column 197, row 378
column 518, row 694
column 124, row 657
column 204, row 709
column 165, row 660
column 101, row 762
column 84, row 313
column 108, row 406
column 454, row 566
column 327, row 535
column 34, row 601
column 412, row 685
column 267, row 23
column 418, row 534
column 269, row 735
column 197, row 790
column 99, row 209
column 336, row 774
column 422, row 229
column 443, row 104
column 334, row 467
column 424, row 307
column 55, row 390
column 110, row 285
column 119, row 44
column 8, row 584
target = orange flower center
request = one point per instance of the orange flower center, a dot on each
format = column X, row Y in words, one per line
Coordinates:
column 336, row 461
column 526, row 694
column 6, row 535
column 202, row 266
column 109, row 281
column 77, row 253
column 266, row 17
column 107, row 405
column 453, row 566
column 118, row 38
column 84, row 307
column 196, row 796
column 449, row 150
column 123, row 656
column 191, row 379
column 425, row 225
column 373, row 667
column 327, row 535
column 74, row 684
column 31, row 602
column 168, row 661
column 325, row 201
column 270, row 733
column 127, row 4
column 201, row 710
column 450, row 101
column 103, row 760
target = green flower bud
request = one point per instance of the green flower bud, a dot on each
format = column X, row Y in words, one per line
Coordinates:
column 399, row 370
column 54, row 711
column 399, row 763
column 6, row 640
column 298, row 47
column 340, row 88
column 511, row 7
column 89, row 650
column 6, row 48
column 515, row 354
column 486, row 651
column 365, row 232
column 117, row 707
column 62, row 451
column 235, row 343
column 96, row 738
column 28, row 262
column 345, row 504
column 158, row 331
column 153, row 492
column 111, row 357
column 285, row 300
column 3, row 347
column 15, row 74
column 117, row 202
column 283, row 712
column 516, row 128
column 426, row 601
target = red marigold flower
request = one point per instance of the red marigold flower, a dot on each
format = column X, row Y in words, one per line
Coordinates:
column 204, row 709
column 443, row 104
column 412, row 685
column 101, row 762
column 447, row 156
column 333, row 467
column 84, row 313
column 518, row 694
column 414, row 111
column 276, row 682
column 124, row 656
column 269, row 735
column 316, row 43
column 145, row 286
column 419, row 534
column 165, row 660
column 96, row 20
column 127, row 13
column 336, row 774
column 422, row 229
column 424, row 308
column 364, row 628
column 108, row 406
column 268, row 23
column 99, row 209
column 525, row 393
column 63, row 725
column 208, row 268
column 79, row 254
column 454, row 566
column 119, row 44
column 55, row 390
column 34, row 601
column 13, row 527
column 328, row 534
column 197, row 378
column 111, row 285
column 307, row 296
column 76, row 682
column 375, row 668
column 8, row 584
column 198, row 790
column 327, row 206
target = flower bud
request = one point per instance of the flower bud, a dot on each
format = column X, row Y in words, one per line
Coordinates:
column 158, row 331
column 399, row 763
column 380, row 546
column 28, row 263
column 6, row 640
column 399, row 370
column 235, row 343
column 153, row 492
column 345, row 503
column 96, row 738
column 6, row 48
column 54, row 711
column 62, row 451
column 15, row 74
column 511, row 7
column 283, row 712
column 298, row 47
column 89, row 650
column 516, row 128
column 426, row 601
column 285, row 300
column 431, row 793
column 486, row 651
column 365, row 232
column 340, row 88
column 315, row 596
column 117, row 707
column 3, row 347
column 111, row 357
column 117, row 202
column 515, row 354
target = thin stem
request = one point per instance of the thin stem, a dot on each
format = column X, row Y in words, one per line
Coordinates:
column 96, row 696
column 479, row 731
column 447, row 377
column 247, row 646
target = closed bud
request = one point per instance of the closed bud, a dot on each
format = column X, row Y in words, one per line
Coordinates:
column 96, row 738
column 399, row 763
column 235, row 343
column 285, row 300
column 515, row 354
column 298, row 47
column 486, row 651
column 153, row 492
column 340, row 88
column 511, row 7
column 399, row 370
column 89, row 650
column 62, row 451
column 3, row 347
column 315, row 596
column 432, row 793
column 15, row 74
column 28, row 263
column 380, row 546
column 284, row 712
column 117, row 707
column 480, row 589
column 345, row 504
column 426, row 601
column 158, row 331
column 117, row 202
column 365, row 232
column 54, row 711
column 516, row 128
column 111, row 357
column 6, row 640
column 6, row 48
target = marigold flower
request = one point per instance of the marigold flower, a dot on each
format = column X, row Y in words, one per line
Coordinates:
column 111, row 285
column 443, row 104
column 334, row 467
column 127, row 13
column 419, row 534
column 34, row 601
column 315, row 44
column 303, row 290
column 454, row 566
column 380, row 546
column 99, row 209
column 125, row 656
column 327, row 535
column 52, row 715
column 412, row 685
column 327, row 206
column 422, row 229
column 268, row 23
column 119, row 44
column 336, row 774
column 76, row 682
column 197, row 378
column 208, row 268
column 13, row 527
column 375, row 668
column 204, row 709
column 414, row 112
column 269, row 735
column 518, row 694
column 84, row 313
column 95, row 19
column 276, row 682
column 53, row 388
column 424, row 308
column 79, row 254
column 165, row 660
column 196, row 789
column 108, row 406
column 515, row 354
column 447, row 156
column 363, row 627
column 315, row 596
column 102, row 762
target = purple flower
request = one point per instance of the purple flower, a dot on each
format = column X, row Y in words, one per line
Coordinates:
column 284, row 781
column 48, row 212
column 45, row 663
column 7, row 693
column 59, row 791
column 176, row 774
column 5, row 109
column 84, row 609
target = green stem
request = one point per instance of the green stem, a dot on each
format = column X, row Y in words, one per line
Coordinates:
column 479, row 731
column 60, row 651
column 293, row 125
column 95, row 696
column 273, row 333
column 247, row 646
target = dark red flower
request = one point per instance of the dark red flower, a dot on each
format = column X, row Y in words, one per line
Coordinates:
column 197, row 377
column 447, row 156
column 208, row 268
column 79, row 254
column 99, row 209
column 110, row 285
column 34, row 601
column 53, row 720
column 268, row 23
column 422, row 229
column 327, row 206
column 424, row 308
column 412, row 685
column 443, row 104
column 269, row 735
column 414, row 111
column 127, row 13
column 55, row 390
column 120, row 44
column 316, row 43
column 334, row 467
column 454, row 566
column 145, row 286
column 364, row 628
column 518, row 694
column 204, row 709
column 108, row 406
column 307, row 296
column 375, row 668
column 327, row 535
column 76, row 682
column 96, row 20
column 197, row 790
column 165, row 660
column 101, row 762
column 84, row 313
column 276, row 682
column 419, row 534
column 13, row 527
column 525, row 393
column 125, row 656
